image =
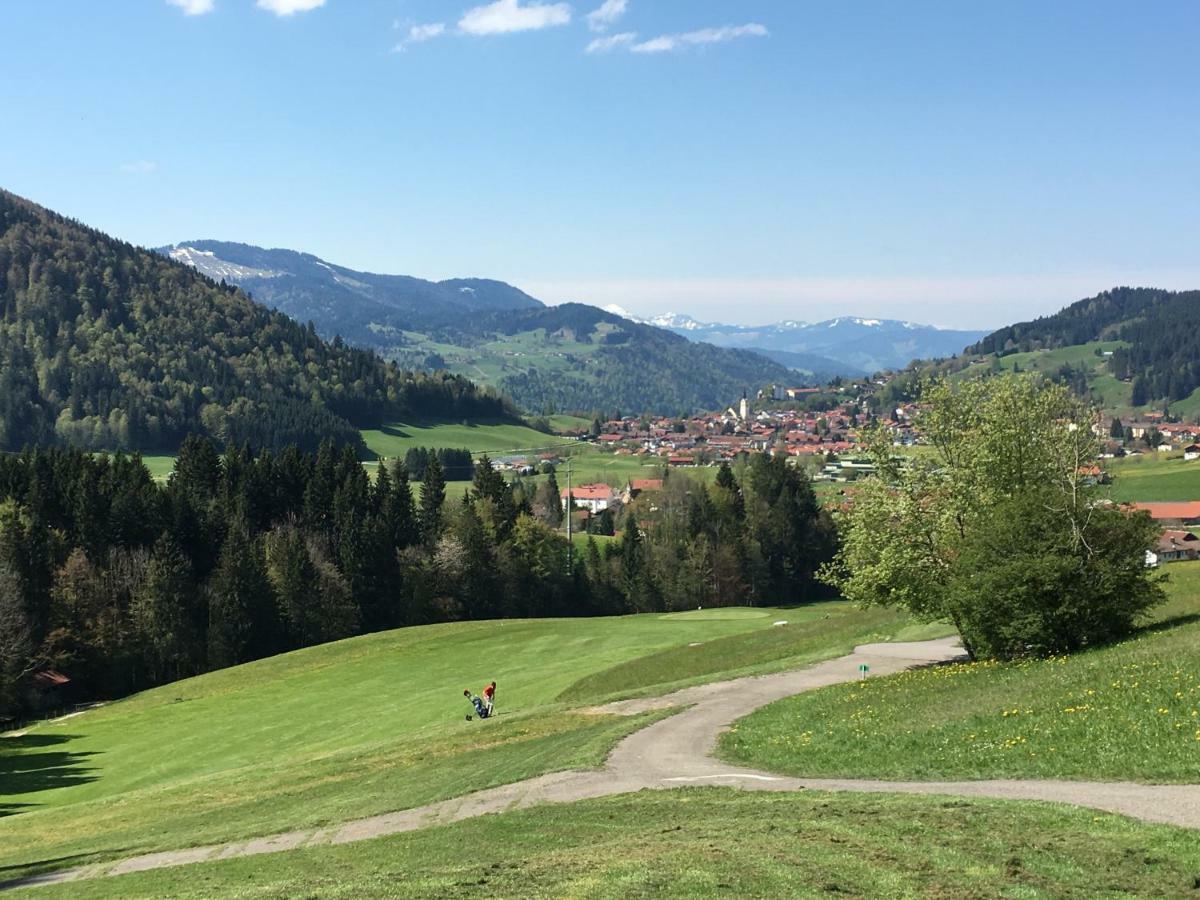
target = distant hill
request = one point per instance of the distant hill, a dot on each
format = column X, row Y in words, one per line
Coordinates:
column 562, row 358
column 853, row 346
column 1129, row 349
column 356, row 305
column 104, row 345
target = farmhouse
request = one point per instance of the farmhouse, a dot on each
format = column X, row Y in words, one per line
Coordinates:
column 1190, row 452
column 592, row 497
column 1183, row 514
column 1177, row 545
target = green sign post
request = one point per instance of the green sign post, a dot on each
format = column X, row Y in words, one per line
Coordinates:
column 863, row 669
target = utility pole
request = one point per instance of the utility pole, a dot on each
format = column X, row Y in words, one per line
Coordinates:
column 570, row 544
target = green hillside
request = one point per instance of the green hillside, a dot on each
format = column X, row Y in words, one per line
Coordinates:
column 714, row 842
column 1153, row 477
column 1086, row 365
column 104, row 345
column 366, row 725
column 570, row 357
column 1129, row 711
column 1131, row 349
column 394, row 440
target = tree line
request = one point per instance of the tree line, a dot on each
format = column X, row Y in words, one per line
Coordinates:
column 123, row 583
column 457, row 465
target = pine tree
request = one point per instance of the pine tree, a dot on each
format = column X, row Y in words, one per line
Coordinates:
column 241, row 610
column 163, row 614
column 433, row 497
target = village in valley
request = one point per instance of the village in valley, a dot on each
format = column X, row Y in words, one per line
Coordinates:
column 822, row 430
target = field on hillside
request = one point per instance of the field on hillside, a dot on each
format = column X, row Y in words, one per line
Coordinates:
column 1130, row 711
column 1111, row 394
column 1153, row 477
column 395, row 440
column 700, row 842
column 369, row 725
column 492, row 361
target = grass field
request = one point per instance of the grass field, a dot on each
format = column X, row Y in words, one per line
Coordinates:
column 1153, row 477
column 362, row 726
column 395, row 440
column 1110, row 393
column 1130, row 711
column 703, row 842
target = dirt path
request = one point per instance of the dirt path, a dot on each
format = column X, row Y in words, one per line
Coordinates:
column 678, row 751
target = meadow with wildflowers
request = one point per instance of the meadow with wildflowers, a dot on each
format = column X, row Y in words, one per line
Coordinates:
column 1130, row 711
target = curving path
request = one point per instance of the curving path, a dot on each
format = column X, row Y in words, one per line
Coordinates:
column 678, row 751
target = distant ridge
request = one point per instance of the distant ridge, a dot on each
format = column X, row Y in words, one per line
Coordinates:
column 847, row 345
column 571, row 357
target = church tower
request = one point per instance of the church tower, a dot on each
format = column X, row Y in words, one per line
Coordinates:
column 744, row 410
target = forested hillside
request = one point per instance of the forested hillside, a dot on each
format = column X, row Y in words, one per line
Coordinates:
column 564, row 358
column 104, row 345
column 1160, row 330
column 631, row 367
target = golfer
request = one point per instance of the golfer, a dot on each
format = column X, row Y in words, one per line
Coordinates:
column 489, row 696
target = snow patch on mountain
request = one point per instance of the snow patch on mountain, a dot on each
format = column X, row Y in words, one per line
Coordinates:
column 207, row 263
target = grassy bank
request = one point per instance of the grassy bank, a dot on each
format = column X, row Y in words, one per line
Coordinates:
column 714, row 842
column 1130, row 711
column 342, row 731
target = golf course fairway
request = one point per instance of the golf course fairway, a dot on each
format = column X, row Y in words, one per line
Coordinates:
column 372, row 724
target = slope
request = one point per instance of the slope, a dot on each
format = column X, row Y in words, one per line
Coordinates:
column 1152, row 349
column 366, row 725
column 105, row 345
column 570, row 357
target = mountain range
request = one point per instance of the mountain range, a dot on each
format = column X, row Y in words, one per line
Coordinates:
column 570, row 357
column 846, row 345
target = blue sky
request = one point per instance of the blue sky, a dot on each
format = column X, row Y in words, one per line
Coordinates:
column 965, row 164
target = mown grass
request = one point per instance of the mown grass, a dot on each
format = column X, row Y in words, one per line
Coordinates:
column 1130, row 711
column 702, row 842
column 323, row 735
column 813, row 632
column 1154, row 477
column 395, row 440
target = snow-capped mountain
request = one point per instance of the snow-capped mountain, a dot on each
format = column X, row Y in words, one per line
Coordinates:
column 857, row 345
column 208, row 263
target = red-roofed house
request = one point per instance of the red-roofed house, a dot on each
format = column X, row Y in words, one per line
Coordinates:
column 592, row 497
column 1178, row 513
column 637, row 485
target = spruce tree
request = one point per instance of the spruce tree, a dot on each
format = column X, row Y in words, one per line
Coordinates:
column 433, row 497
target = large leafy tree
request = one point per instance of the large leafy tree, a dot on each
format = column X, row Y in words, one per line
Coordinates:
column 997, row 530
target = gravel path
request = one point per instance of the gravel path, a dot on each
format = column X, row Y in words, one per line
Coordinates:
column 678, row 751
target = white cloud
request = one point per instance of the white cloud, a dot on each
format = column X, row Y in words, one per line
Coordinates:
column 608, row 13
column 289, row 7
column 141, row 166
column 507, row 16
column 668, row 42
column 607, row 44
column 193, row 7
column 418, row 34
